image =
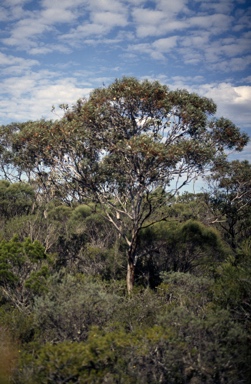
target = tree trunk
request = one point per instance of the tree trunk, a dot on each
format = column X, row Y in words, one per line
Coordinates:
column 131, row 253
column 130, row 275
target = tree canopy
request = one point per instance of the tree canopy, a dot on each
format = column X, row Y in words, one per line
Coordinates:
column 123, row 147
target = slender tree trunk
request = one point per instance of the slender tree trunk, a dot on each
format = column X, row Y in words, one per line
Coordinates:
column 130, row 275
column 131, row 264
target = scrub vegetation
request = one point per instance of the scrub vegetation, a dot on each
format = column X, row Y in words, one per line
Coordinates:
column 109, row 272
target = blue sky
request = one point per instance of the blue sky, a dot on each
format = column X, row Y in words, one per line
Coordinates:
column 56, row 51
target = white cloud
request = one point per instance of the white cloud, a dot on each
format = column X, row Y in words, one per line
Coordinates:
column 233, row 102
column 214, row 23
column 25, row 31
column 148, row 16
column 136, row 2
column 157, row 49
column 165, row 44
column 15, row 2
column 12, row 9
column 242, row 21
column 85, row 30
column 224, row 54
column 230, row 47
column 13, row 64
column 33, row 24
column 109, row 19
column 198, row 43
column 30, row 97
column 4, row 14
column 145, row 48
column 62, row 4
column 55, row 15
column 101, row 17
column 184, row 81
column 223, row 7
column 62, row 92
column 195, row 40
column 243, row 94
column 234, row 64
column 106, row 6
column 175, row 16
column 172, row 7
column 43, row 49
column 155, row 23
column 18, row 87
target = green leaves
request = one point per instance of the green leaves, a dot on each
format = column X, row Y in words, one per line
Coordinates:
column 16, row 199
column 11, row 258
column 23, row 271
column 225, row 133
column 176, row 334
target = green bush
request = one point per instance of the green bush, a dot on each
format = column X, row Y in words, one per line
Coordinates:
column 71, row 306
column 24, row 269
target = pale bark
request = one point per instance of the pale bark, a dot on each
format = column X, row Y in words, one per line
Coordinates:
column 130, row 276
column 131, row 262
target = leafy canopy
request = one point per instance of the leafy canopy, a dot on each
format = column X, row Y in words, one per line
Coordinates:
column 119, row 147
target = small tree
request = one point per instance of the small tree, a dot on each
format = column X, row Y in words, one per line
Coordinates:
column 124, row 148
column 24, row 268
column 229, row 198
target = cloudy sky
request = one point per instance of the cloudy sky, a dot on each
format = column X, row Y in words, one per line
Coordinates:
column 56, row 51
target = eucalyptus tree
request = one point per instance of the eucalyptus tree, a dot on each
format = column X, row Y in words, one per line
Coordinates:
column 229, row 198
column 127, row 147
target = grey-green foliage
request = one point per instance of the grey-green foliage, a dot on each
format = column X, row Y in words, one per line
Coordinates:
column 89, row 243
column 24, row 268
column 188, row 246
column 177, row 335
column 46, row 224
column 229, row 199
column 138, row 310
column 232, row 289
column 186, row 290
column 15, row 199
column 213, row 346
column 82, row 211
column 71, row 305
